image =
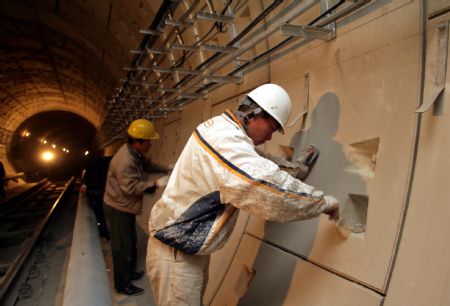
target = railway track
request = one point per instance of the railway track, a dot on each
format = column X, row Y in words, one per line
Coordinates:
column 22, row 220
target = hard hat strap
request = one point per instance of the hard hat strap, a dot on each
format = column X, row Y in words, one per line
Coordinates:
column 247, row 117
column 249, row 102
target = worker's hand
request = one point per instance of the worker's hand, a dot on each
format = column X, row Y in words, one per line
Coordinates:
column 162, row 181
column 305, row 155
column 333, row 208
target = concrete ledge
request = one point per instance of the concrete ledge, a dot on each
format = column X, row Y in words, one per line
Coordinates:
column 87, row 280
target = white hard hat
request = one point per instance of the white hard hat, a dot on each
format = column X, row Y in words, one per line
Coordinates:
column 273, row 99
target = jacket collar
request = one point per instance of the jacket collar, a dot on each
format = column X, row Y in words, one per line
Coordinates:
column 134, row 153
column 233, row 117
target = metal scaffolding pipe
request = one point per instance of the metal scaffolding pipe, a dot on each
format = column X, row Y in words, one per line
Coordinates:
column 86, row 281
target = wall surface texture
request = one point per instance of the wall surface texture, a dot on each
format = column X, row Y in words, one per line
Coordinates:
column 386, row 163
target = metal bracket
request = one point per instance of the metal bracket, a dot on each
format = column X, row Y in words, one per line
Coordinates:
column 141, row 52
column 150, row 32
column 180, row 24
column 222, row 49
column 162, row 69
column 177, row 46
column 169, row 89
column 222, row 79
column 214, row 17
column 189, row 71
column 436, row 66
column 206, row 47
column 157, row 51
column 187, row 95
column 307, row 32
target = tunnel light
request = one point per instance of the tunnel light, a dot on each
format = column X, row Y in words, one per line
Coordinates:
column 53, row 146
column 25, row 133
column 48, row 156
column 45, row 141
column 86, row 153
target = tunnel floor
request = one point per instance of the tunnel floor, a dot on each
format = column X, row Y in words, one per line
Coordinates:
column 41, row 281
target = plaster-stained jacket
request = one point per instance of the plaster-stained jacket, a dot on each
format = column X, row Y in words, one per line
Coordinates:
column 125, row 183
column 217, row 172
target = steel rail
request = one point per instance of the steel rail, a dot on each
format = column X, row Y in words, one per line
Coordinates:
column 28, row 243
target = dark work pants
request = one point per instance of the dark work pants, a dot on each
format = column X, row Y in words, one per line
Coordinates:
column 95, row 199
column 123, row 239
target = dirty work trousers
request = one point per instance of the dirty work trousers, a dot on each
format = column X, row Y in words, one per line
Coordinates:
column 123, row 239
column 95, row 199
column 176, row 278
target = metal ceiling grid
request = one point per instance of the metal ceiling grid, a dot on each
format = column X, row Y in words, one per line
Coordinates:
column 195, row 48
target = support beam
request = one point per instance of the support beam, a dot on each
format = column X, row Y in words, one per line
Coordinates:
column 222, row 79
column 150, row 32
column 307, row 32
column 214, row 17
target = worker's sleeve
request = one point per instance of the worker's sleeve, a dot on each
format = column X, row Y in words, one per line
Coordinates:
column 296, row 169
column 251, row 182
column 130, row 181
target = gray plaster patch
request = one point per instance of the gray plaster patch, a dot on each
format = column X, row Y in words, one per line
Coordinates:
column 329, row 174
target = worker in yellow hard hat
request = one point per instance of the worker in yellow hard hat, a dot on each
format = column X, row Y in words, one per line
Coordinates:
column 125, row 185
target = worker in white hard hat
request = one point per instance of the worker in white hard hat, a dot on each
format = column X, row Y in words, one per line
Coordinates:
column 125, row 185
column 218, row 173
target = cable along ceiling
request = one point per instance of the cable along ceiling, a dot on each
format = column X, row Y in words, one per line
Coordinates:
column 191, row 49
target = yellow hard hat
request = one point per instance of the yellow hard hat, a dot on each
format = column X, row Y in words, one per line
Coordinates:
column 142, row 129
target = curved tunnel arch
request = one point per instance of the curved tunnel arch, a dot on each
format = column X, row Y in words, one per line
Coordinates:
column 65, row 56
column 66, row 135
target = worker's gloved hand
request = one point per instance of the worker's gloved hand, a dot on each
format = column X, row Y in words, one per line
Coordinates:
column 162, row 181
column 333, row 208
column 305, row 155
column 304, row 162
column 297, row 168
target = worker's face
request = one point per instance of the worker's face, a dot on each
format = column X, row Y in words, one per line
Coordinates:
column 260, row 129
column 143, row 147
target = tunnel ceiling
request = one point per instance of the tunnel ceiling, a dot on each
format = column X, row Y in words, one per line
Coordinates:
column 112, row 61
column 65, row 55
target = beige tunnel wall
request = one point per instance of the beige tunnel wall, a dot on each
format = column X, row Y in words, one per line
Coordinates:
column 422, row 269
column 360, row 91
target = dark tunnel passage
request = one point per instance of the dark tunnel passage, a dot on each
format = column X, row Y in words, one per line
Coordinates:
column 51, row 144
